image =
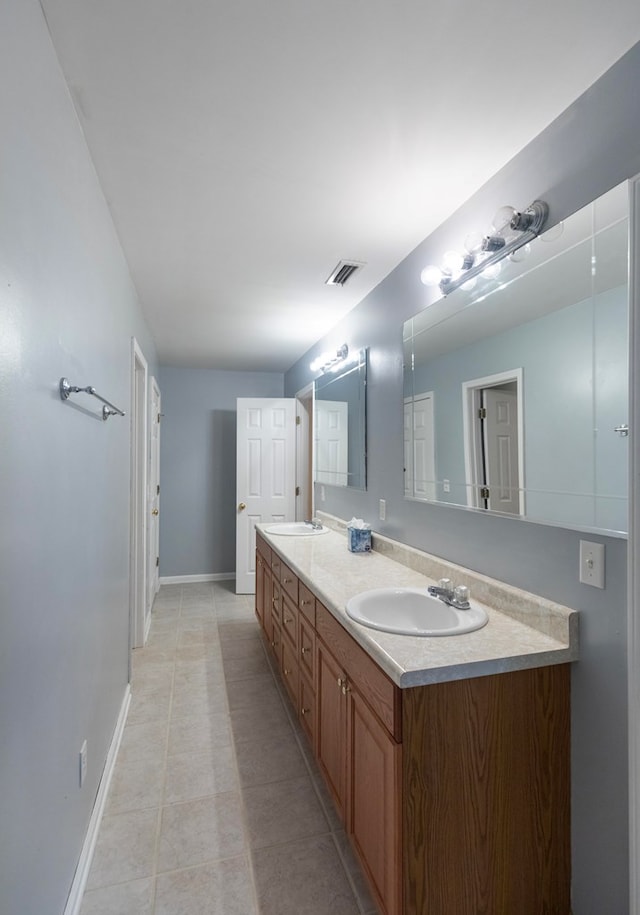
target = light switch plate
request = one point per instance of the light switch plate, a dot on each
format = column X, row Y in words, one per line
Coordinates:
column 592, row 563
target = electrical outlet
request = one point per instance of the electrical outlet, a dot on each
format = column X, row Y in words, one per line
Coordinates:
column 446, row 485
column 83, row 763
column 383, row 509
column 592, row 563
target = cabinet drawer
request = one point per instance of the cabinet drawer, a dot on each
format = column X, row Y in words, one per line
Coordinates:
column 289, row 582
column 307, row 645
column 290, row 623
column 307, row 603
column 276, row 604
column 382, row 695
column 307, row 709
column 263, row 549
column 290, row 671
column 276, row 642
column 276, row 565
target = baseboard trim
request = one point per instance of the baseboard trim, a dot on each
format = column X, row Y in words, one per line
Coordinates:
column 74, row 900
column 190, row 579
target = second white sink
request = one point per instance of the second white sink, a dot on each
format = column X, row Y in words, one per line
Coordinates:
column 411, row 611
column 295, row 529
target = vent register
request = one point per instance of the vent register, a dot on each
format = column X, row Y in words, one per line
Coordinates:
column 343, row 272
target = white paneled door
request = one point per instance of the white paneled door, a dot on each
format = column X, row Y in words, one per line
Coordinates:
column 265, row 475
column 153, row 542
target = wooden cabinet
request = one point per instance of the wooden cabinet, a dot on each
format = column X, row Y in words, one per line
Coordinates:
column 455, row 795
column 358, row 718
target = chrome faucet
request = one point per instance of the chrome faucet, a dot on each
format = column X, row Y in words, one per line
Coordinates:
column 315, row 524
column 457, row 597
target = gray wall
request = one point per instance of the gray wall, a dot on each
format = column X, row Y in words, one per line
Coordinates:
column 588, row 150
column 198, row 466
column 67, row 307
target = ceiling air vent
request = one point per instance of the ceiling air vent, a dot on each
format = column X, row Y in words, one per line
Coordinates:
column 343, row 272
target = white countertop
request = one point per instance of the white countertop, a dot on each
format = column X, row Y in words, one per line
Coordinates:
column 506, row 643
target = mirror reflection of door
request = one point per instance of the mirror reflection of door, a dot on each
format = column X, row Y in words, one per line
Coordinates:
column 420, row 458
column 493, row 445
column 332, row 442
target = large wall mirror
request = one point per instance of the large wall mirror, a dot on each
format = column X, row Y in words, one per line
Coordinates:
column 340, row 424
column 516, row 391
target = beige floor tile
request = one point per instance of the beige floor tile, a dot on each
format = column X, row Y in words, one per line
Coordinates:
column 136, row 896
column 230, row 628
column 282, row 811
column 242, row 648
column 201, row 651
column 199, row 734
column 223, row 888
column 125, row 848
column 149, row 703
column 200, row 831
column 147, row 740
column 198, row 632
column 199, row 701
column 252, row 665
column 257, row 723
column 273, row 759
column 136, row 784
column 304, row 876
column 193, row 775
column 254, row 692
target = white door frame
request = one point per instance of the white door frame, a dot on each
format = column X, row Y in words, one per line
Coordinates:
column 470, row 403
column 138, row 497
column 153, row 499
column 633, row 561
column 304, row 452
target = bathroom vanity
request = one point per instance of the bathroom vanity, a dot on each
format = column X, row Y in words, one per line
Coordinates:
column 448, row 758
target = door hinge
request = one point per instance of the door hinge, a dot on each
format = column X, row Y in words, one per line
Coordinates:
column 482, row 413
column 158, row 489
column 298, row 420
column 297, row 490
column 157, row 561
column 484, row 492
column 159, row 415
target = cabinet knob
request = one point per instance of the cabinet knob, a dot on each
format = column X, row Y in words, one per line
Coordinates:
column 304, row 650
column 305, row 711
column 287, row 581
column 287, row 619
column 286, row 672
column 274, row 601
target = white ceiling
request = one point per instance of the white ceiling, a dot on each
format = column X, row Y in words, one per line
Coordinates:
column 245, row 147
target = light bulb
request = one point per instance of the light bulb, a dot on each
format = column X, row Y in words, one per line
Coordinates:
column 473, row 242
column 492, row 271
column 502, row 219
column 452, row 262
column 521, row 254
column 431, row 275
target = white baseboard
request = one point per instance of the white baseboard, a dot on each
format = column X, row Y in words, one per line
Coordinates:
column 190, row 579
column 76, row 893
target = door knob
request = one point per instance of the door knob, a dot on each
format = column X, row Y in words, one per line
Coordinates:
column 242, row 506
column 154, row 511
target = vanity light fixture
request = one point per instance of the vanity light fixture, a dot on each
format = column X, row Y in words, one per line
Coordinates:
column 326, row 362
column 510, row 232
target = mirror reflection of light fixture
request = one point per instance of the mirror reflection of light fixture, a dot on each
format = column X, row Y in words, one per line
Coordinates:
column 326, row 362
column 511, row 231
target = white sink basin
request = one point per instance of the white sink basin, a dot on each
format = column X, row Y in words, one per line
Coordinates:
column 411, row 611
column 295, row 529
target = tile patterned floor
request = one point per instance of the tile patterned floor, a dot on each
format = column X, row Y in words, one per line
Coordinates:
column 216, row 805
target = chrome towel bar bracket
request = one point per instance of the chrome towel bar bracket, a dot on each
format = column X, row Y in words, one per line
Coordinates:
column 108, row 409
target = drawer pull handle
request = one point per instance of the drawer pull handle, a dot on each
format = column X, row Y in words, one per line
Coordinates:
column 287, row 581
column 305, row 650
column 288, row 619
column 305, row 711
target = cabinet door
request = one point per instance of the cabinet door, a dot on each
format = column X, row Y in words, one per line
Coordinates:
column 374, row 811
column 331, row 725
column 290, row 669
column 260, row 578
column 307, row 709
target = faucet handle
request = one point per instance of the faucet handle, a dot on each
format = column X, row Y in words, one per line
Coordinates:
column 445, row 584
column 461, row 594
